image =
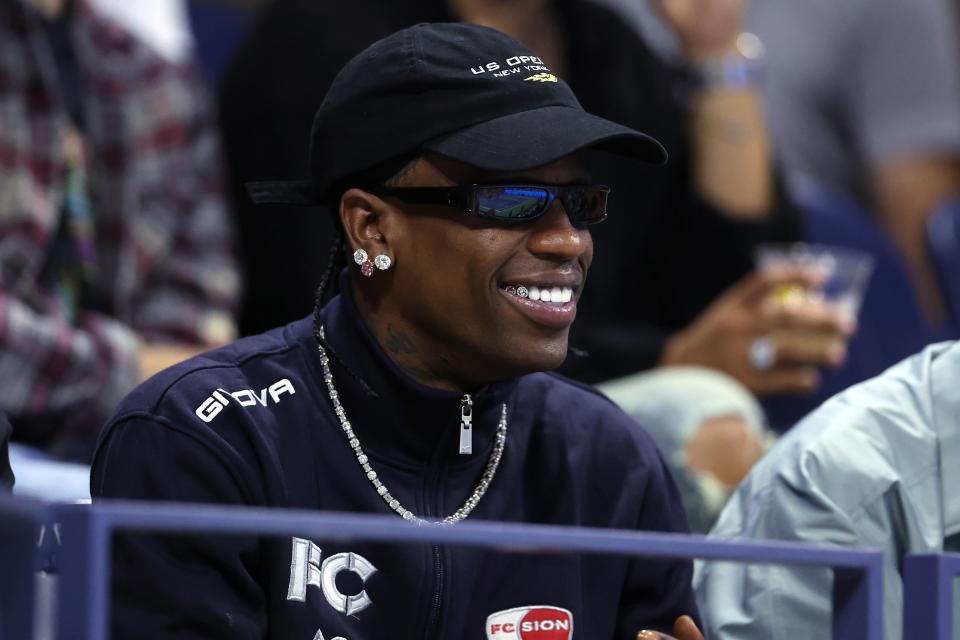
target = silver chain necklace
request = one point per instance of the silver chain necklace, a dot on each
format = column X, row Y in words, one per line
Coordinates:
column 499, row 439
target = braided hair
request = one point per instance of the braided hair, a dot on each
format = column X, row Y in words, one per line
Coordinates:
column 335, row 262
column 389, row 173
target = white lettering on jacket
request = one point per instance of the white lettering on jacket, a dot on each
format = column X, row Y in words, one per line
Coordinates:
column 213, row 405
column 306, row 570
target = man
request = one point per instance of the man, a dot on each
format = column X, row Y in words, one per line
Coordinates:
column 876, row 466
column 450, row 152
column 114, row 251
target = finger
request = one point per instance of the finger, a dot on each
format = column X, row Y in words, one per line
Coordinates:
column 758, row 286
column 646, row 634
column 815, row 317
column 686, row 629
column 793, row 347
column 785, row 380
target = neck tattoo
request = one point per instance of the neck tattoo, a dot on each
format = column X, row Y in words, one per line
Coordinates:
column 499, row 440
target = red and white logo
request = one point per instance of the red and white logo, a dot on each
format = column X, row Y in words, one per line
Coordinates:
column 530, row 623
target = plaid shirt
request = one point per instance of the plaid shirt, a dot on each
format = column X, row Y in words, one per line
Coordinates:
column 164, row 268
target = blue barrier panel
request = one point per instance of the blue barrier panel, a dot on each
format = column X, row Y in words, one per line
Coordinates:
column 20, row 522
column 928, row 595
column 85, row 564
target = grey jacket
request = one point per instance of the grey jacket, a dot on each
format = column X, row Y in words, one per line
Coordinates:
column 878, row 465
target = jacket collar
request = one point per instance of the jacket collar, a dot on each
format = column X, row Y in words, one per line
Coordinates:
column 408, row 423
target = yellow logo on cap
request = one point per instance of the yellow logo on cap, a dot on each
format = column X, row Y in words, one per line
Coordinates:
column 542, row 77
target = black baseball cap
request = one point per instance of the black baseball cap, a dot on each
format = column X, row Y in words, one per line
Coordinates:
column 467, row 92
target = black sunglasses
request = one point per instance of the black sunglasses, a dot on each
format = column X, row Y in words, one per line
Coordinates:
column 584, row 204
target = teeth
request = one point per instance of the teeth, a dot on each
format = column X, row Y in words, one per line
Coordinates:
column 555, row 295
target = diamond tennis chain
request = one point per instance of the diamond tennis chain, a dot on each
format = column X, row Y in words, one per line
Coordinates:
column 499, row 439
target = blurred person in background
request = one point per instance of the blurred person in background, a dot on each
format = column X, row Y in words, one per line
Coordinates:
column 115, row 251
column 672, row 286
column 876, row 466
column 863, row 103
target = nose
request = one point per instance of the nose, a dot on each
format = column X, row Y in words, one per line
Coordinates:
column 554, row 236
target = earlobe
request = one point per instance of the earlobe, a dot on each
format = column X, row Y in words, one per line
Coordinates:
column 364, row 219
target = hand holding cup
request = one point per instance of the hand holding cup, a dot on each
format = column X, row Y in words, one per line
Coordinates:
column 775, row 328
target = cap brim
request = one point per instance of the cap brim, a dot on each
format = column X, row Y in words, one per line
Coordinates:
column 535, row 138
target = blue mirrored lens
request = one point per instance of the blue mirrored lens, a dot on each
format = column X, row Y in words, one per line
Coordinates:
column 512, row 203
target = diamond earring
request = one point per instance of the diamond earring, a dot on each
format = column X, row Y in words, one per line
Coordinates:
column 361, row 258
column 382, row 262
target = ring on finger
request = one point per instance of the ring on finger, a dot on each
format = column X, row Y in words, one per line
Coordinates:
column 762, row 353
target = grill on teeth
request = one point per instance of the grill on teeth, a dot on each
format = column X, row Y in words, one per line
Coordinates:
column 557, row 295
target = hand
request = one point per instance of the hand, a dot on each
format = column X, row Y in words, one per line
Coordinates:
column 683, row 629
column 705, row 28
column 155, row 358
column 726, row 448
column 804, row 334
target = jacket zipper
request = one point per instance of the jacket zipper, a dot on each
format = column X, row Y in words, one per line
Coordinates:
column 466, row 437
column 466, row 425
column 434, row 618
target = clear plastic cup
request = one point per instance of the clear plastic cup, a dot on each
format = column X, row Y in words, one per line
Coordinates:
column 845, row 274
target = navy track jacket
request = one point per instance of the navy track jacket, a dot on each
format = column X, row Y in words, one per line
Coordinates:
column 252, row 424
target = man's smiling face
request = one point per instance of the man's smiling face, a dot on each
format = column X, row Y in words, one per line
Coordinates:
column 448, row 310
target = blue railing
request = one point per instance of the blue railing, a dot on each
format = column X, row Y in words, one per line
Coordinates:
column 20, row 523
column 928, row 596
column 84, row 559
column 85, row 533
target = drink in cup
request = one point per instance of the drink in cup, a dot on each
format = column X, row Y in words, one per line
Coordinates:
column 843, row 275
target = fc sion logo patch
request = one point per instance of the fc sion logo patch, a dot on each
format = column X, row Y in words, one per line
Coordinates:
column 539, row 622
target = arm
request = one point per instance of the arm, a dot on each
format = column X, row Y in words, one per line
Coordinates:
column 750, row 601
column 906, row 190
column 190, row 283
column 63, row 379
column 825, row 498
column 732, row 160
column 656, row 591
column 202, row 586
column 903, row 99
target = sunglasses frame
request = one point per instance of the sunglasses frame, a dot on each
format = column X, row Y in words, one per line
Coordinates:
column 466, row 198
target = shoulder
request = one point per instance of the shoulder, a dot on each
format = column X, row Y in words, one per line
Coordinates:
column 247, row 378
column 235, row 366
column 220, row 410
column 588, row 445
column 846, row 455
